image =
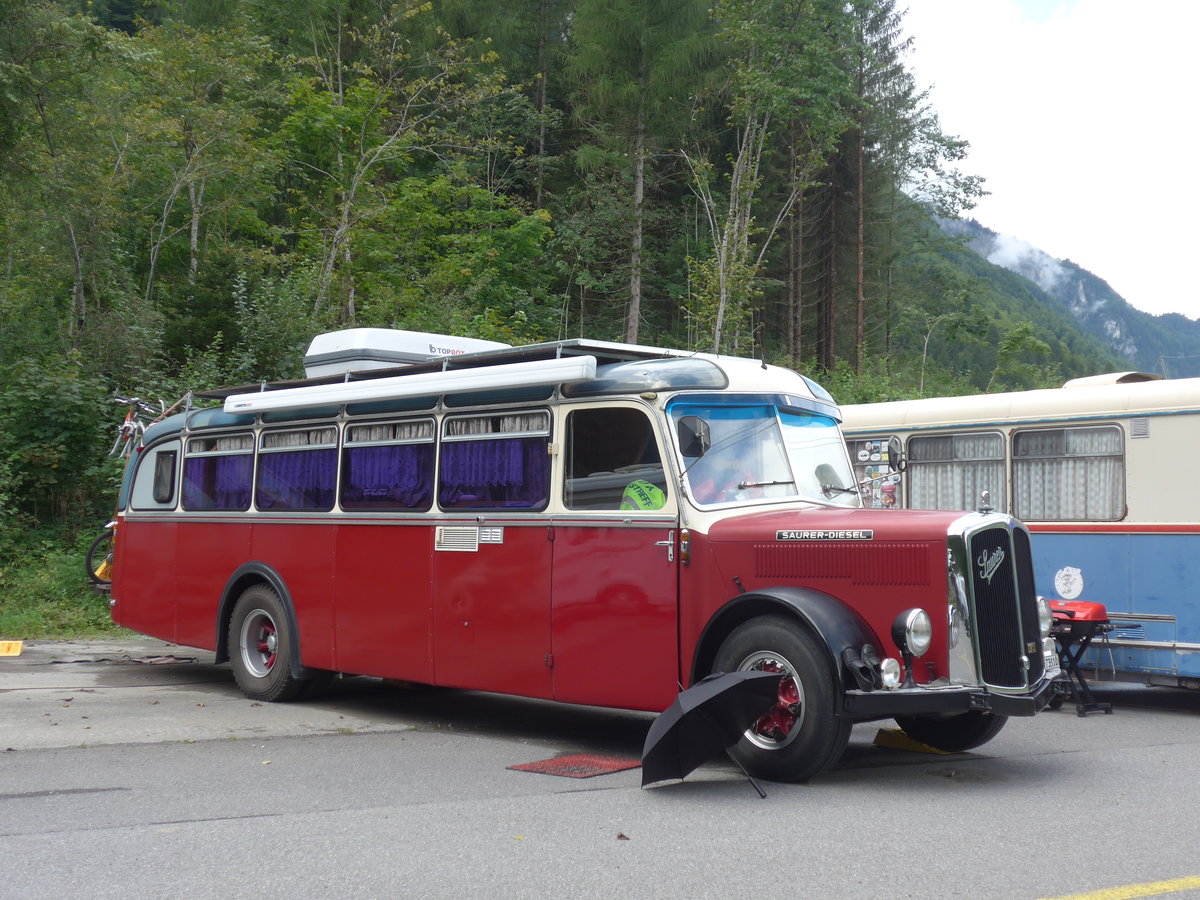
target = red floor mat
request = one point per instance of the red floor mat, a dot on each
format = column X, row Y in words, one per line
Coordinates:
column 579, row 765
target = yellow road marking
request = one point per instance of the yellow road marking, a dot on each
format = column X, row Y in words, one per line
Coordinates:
column 1130, row 891
column 10, row 648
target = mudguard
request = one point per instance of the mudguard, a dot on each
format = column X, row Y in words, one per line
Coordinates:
column 839, row 627
column 255, row 573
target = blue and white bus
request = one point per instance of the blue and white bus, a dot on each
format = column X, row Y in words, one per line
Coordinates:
column 1099, row 470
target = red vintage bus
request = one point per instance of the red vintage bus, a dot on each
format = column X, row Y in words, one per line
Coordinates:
column 582, row 521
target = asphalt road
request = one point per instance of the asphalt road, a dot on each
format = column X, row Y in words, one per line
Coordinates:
column 137, row 769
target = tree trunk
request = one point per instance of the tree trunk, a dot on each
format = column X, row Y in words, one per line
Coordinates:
column 860, row 300
column 795, row 304
column 351, row 311
column 829, row 357
column 539, row 104
column 196, row 201
column 78, row 299
column 633, row 321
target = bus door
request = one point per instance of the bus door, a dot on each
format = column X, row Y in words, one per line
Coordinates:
column 615, row 571
column 383, row 606
column 491, row 557
column 492, row 605
column 144, row 541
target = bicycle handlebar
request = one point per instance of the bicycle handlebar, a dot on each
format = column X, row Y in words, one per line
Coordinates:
column 140, row 404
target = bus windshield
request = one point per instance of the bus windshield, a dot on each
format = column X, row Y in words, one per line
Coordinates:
column 761, row 452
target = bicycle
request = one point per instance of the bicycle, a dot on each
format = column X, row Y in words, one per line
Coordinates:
column 130, row 431
column 99, row 557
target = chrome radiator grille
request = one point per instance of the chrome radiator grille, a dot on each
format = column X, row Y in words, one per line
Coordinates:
column 1005, row 607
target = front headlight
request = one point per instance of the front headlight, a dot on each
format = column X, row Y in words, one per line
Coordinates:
column 1045, row 616
column 912, row 631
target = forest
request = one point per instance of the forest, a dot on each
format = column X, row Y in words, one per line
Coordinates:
column 191, row 190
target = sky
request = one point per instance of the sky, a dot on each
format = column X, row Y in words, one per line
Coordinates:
column 1083, row 117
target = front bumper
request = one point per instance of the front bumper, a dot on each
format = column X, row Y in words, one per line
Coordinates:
column 946, row 699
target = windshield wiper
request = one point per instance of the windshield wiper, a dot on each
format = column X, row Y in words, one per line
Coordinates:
column 742, row 485
column 830, row 489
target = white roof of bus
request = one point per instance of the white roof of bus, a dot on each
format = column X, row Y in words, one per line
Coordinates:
column 744, row 374
column 1089, row 401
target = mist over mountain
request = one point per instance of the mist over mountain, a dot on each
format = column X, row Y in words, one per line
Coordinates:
column 1167, row 344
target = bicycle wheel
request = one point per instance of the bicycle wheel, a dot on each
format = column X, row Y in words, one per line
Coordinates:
column 99, row 559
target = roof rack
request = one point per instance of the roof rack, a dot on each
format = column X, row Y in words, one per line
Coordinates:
column 604, row 352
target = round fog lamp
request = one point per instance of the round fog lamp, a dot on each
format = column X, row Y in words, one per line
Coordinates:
column 913, row 632
column 890, row 670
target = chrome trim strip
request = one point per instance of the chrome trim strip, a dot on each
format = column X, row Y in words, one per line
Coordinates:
column 535, row 520
column 1178, row 647
column 964, row 669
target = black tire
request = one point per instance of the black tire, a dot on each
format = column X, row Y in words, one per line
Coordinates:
column 261, row 646
column 953, row 734
column 99, row 558
column 802, row 737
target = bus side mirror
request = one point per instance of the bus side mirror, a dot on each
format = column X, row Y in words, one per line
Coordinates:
column 896, row 454
column 694, row 436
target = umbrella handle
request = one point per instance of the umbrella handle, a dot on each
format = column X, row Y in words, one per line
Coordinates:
column 750, row 778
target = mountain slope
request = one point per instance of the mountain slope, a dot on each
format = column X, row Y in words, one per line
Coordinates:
column 1166, row 344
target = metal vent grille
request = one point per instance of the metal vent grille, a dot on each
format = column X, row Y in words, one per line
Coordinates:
column 1027, row 604
column 456, row 537
column 882, row 564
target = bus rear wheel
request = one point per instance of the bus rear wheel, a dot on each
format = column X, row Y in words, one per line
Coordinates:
column 953, row 734
column 801, row 736
column 261, row 645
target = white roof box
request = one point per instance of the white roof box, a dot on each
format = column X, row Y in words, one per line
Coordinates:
column 363, row 349
column 1111, row 378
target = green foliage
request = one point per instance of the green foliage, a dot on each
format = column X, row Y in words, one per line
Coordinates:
column 44, row 595
column 49, row 435
column 443, row 251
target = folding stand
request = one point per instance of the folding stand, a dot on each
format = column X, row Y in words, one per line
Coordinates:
column 1075, row 624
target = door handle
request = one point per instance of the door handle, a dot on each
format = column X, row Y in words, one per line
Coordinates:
column 669, row 543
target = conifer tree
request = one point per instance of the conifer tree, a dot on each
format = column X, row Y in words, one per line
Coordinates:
column 634, row 65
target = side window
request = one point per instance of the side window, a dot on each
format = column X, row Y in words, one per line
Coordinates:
column 612, row 461
column 297, row 469
column 388, row 465
column 1069, row 474
column 154, row 484
column 951, row 471
column 217, row 471
column 495, row 461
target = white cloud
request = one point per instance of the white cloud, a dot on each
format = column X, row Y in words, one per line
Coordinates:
column 1010, row 252
column 1079, row 114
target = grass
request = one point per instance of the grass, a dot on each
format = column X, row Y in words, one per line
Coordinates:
column 45, row 595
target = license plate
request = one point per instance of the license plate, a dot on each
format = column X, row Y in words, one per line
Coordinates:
column 1052, row 666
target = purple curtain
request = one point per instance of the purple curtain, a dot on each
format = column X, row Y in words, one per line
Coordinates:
column 388, row 477
column 217, row 482
column 512, row 473
column 300, row 479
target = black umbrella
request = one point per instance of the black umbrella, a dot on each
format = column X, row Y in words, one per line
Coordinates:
column 705, row 720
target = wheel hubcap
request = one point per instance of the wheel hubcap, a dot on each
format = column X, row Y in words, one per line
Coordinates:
column 781, row 724
column 259, row 643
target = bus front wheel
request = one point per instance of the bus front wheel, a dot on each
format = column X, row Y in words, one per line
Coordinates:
column 800, row 736
column 261, row 645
